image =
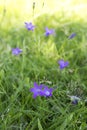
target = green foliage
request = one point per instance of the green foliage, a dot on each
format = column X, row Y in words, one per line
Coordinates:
column 39, row 63
column 39, row 125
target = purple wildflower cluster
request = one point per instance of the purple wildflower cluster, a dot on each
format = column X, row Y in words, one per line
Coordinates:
column 41, row 90
column 48, row 31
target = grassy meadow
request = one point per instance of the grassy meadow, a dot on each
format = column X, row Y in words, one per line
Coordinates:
column 38, row 63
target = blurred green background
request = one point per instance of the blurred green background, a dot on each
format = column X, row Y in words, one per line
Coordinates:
column 23, row 9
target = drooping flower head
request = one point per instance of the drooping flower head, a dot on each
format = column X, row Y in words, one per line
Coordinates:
column 49, row 31
column 29, row 26
column 63, row 64
column 16, row 51
column 41, row 90
column 72, row 35
column 74, row 99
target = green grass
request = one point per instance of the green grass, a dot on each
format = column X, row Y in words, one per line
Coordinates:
column 39, row 63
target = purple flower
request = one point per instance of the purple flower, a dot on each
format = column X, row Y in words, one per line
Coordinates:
column 49, row 31
column 47, row 92
column 16, row 51
column 41, row 90
column 74, row 99
column 36, row 90
column 63, row 64
column 29, row 26
column 72, row 35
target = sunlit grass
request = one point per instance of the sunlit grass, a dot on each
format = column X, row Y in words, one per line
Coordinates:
column 27, row 10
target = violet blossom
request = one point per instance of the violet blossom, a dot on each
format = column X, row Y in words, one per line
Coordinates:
column 49, row 31
column 63, row 64
column 36, row 90
column 72, row 35
column 29, row 26
column 16, row 51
